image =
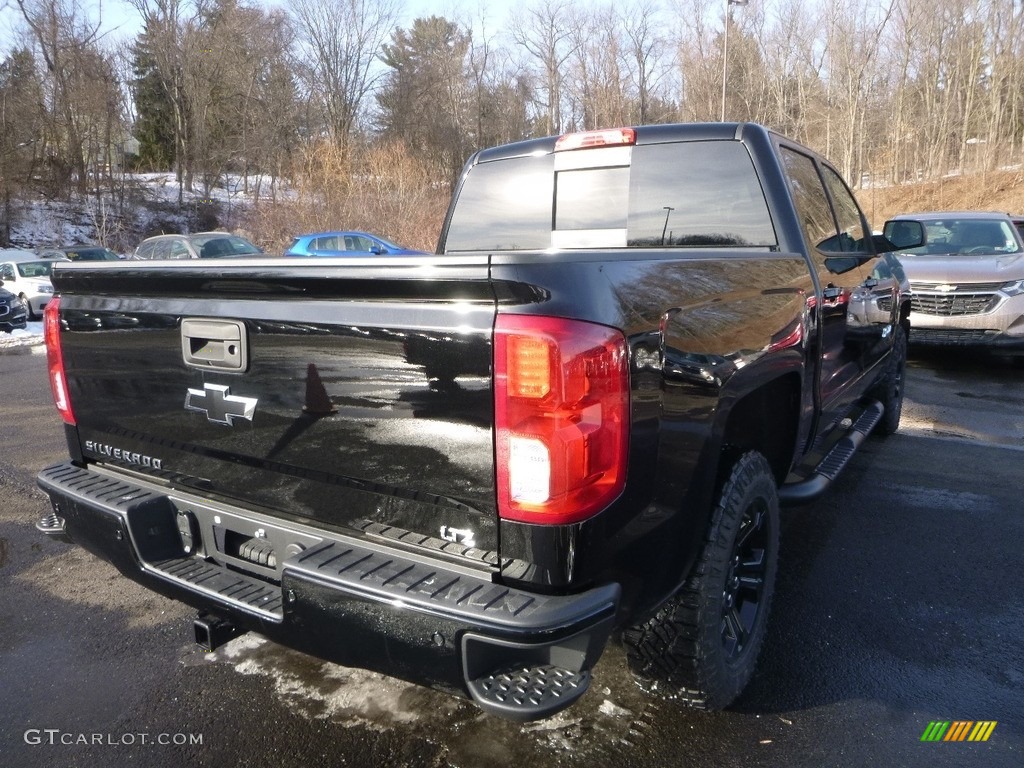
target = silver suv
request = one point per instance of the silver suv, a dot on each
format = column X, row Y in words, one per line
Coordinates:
column 966, row 272
column 202, row 245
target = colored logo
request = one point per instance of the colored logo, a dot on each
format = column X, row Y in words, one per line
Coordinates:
column 958, row 730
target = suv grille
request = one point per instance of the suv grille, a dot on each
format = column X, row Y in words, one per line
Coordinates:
column 951, row 336
column 966, row 299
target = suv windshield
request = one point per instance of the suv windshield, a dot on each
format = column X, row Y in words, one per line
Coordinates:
column 961, row 236
column 654, row 195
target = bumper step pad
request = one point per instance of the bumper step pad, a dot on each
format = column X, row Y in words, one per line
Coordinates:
column 248, row 592
column 529, row 693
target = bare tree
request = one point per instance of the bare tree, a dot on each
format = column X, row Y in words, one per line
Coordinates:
column 80, row 87
column 545, row 33
column 793, row 72
column 339, row 40
column 645, row 50
column 853, row 32
column 698, row 61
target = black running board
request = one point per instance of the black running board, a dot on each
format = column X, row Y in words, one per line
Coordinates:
column 828, row 469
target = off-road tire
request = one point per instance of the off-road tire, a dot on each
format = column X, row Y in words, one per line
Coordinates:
column 889, row 390
column 690, row 649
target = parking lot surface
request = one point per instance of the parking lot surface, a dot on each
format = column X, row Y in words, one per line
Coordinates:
column 899, row 604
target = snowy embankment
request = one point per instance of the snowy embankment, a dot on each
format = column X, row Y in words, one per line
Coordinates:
column 32, row 335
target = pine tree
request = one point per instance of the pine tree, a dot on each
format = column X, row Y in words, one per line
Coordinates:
column 154, row 126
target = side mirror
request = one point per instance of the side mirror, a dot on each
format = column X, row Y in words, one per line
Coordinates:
column 882, row 245
column 376, row 250
column 903, row 234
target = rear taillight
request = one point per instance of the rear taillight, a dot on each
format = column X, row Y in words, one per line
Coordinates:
column 561, row 394
column 55, row 358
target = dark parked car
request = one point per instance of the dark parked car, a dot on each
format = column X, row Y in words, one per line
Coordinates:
column 346, row 244
column 79, row 253
column 202, row 245
column 13, row 312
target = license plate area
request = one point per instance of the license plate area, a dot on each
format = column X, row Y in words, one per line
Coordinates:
column 241, row 543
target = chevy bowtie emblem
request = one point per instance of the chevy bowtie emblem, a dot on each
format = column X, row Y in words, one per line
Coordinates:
column 219, row 405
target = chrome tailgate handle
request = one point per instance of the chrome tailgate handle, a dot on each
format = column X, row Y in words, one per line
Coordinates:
column 214, row 344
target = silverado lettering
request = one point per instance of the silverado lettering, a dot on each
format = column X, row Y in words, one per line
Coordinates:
column 577, row 421
column 131, row 457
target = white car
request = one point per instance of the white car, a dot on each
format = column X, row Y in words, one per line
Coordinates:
column 28, row 277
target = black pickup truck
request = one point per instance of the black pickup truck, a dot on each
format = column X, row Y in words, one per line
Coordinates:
column 574, row 423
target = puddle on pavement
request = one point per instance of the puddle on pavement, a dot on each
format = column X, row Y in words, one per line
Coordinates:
column 934, row 499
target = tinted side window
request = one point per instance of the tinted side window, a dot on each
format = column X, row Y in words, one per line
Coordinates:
column 701, row 193
column 504, row 205
column 852, row 236
column 811, row 202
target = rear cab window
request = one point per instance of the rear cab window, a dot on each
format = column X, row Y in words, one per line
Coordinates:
column 650, row 195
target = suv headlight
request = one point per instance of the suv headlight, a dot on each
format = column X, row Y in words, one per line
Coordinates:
column 47, row 288
column 1015, row 288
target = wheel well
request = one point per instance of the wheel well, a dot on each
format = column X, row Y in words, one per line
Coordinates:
column 764, row 420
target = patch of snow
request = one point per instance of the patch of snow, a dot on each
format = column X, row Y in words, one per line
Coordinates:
column 144, row 204
column 324, row 690
column 30, row 336
column 611, row 709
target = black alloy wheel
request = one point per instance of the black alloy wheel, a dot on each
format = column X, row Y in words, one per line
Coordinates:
column 744, row 590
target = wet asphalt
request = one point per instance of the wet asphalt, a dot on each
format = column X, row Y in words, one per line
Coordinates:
column 900, row 601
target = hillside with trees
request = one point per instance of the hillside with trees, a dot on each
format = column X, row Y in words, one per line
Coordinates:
column 333, row 113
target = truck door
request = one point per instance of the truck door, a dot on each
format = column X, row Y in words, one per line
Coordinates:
column 853, row 296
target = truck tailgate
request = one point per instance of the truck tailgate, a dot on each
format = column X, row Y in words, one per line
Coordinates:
column 335, row 392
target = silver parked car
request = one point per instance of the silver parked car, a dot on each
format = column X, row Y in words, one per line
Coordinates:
column 966, row 272
column 202, row 245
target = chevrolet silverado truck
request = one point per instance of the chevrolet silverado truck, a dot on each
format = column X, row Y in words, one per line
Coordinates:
column 573, row 424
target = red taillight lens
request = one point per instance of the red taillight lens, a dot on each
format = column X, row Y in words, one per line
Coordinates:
column 55, row 358
column 561, row 406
